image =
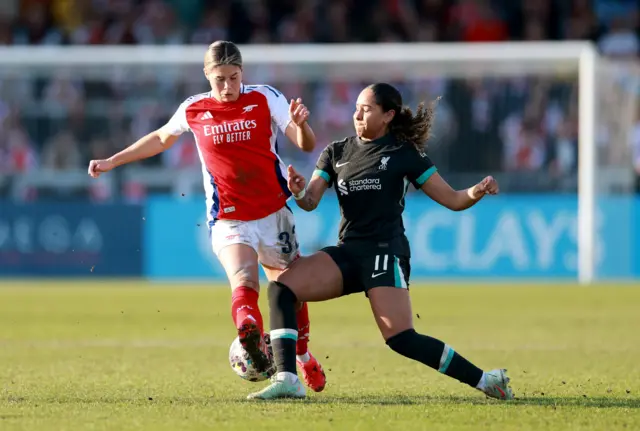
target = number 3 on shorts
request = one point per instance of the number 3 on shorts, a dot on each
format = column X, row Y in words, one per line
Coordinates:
column 286, row 239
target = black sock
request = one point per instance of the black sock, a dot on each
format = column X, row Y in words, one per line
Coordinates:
column 435, row 354
column 284, row 326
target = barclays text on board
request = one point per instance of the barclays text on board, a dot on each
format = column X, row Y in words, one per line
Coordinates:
column 530, row 236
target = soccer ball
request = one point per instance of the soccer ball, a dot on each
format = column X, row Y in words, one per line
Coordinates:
column 242, row 366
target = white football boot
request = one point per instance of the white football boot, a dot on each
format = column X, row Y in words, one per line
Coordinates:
column 496, row 385
column 283, row 385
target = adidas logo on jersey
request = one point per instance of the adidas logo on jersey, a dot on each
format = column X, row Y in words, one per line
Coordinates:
column 206, row 116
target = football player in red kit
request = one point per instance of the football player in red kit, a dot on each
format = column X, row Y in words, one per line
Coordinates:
column 235, row 128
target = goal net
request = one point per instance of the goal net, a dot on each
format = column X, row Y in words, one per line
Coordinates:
column 557, row 125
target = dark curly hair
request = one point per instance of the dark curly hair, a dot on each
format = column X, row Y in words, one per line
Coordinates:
column 406, row 126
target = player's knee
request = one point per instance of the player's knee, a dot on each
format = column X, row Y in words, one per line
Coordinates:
column 280, row 295
column 243, row 277
column 403, row 341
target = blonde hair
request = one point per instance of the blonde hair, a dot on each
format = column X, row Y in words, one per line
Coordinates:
column 222, row 52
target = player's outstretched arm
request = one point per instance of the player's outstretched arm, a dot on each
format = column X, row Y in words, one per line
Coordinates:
column 458, row 200
column 145, row 147
column 298, row 131
column 307, row 197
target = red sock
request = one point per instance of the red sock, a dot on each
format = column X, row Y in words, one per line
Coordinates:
column 303, row 329
column 244, row 303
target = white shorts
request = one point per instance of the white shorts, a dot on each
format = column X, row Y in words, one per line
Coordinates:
column 273, row 237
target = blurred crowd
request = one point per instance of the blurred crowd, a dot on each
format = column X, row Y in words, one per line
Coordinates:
column 493, row 124
column 613, row 23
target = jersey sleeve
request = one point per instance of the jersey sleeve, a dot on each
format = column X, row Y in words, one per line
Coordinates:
column 419, row 168
column 177, row 124
column 324, row 166
column 278, row 106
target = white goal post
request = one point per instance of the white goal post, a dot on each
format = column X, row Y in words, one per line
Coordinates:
column 496, row 59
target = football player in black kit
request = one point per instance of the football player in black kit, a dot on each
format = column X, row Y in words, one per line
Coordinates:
column 371, row 173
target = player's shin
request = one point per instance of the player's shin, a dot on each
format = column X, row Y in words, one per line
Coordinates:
column 284, row 329
column 435, row 354
column 244, row 307
column 310, row 369
column 302, row 317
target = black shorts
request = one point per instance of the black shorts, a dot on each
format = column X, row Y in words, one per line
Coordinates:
column 365, row 268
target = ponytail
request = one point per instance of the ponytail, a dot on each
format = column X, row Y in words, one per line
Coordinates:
column 413, row 128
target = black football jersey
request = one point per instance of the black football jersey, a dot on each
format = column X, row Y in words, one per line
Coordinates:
column 371, row 180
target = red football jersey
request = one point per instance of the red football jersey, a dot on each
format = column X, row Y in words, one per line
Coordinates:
column 244, row 178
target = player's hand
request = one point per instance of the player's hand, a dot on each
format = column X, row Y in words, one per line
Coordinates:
column 298, row 112
column 97, row 167
column 488, row 186
column 295, row 182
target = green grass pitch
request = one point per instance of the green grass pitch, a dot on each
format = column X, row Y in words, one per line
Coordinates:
column 97, row 356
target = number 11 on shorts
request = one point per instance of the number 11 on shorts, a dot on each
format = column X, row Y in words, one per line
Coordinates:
column 377, row 271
